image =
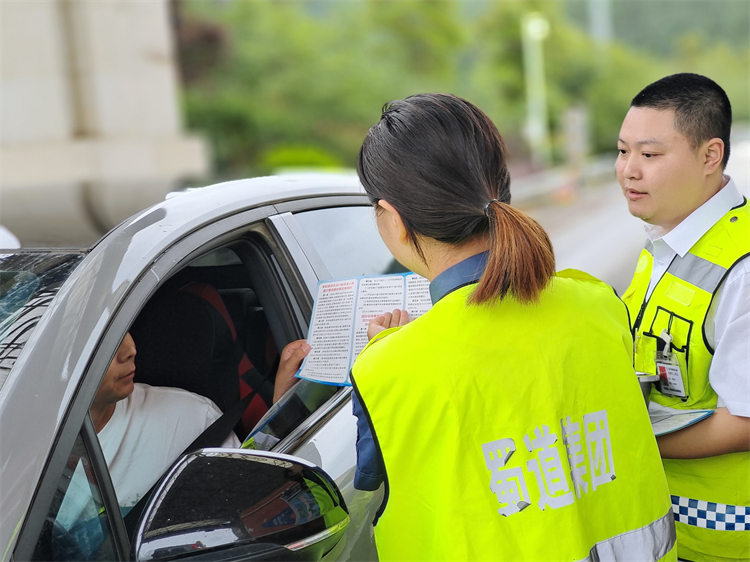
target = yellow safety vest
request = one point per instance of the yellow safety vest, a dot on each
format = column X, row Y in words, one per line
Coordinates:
column 512, row 432
column 710, row 496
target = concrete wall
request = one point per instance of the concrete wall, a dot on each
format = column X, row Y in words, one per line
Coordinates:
column 91, row 130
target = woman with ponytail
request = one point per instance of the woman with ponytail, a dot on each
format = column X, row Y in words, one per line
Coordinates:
column 506, row 423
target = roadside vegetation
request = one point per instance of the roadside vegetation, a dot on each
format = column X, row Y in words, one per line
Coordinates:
column 277, row 84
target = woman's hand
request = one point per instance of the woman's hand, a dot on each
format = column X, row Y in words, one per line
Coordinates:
column 388, row 320
column 289, row 362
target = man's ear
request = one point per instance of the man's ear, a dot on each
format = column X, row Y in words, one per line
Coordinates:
column 714, row 154
column 402, row 235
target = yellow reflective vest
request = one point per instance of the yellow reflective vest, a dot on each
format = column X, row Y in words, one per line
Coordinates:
column 512, row 432
column 710, row 496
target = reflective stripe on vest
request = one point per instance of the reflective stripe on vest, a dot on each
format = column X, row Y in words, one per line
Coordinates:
column 646, row 543
column 497, row 424
column 694, row 270
column 697, row 271
column 711, row 515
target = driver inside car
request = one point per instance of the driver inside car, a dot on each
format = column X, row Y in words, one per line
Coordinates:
column 143, row 429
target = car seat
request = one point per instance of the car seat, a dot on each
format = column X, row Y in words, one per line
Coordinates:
column 185, row 338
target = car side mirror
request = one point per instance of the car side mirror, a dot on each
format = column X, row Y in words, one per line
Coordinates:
column 220, row 504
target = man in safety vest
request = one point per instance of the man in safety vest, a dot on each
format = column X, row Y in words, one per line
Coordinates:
column 689, row 303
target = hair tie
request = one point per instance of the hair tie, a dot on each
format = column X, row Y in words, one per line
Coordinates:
column 487, row 206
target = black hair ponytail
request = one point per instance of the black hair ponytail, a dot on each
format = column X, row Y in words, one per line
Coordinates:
column 440, row 161
column 521, row 261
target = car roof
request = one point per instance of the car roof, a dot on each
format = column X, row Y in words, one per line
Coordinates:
column 221, row 199
column 147, row 234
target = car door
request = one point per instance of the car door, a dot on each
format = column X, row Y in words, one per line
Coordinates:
column 296, row 243
column 339, row 238
column 104, row 318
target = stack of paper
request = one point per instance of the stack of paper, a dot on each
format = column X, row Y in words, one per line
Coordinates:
column 343, row 310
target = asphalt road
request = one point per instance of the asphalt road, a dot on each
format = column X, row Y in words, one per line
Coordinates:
column 595, row 232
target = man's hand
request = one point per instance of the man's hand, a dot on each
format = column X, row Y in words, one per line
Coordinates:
column 719, row 434
column 388, row 320
column 291, row 358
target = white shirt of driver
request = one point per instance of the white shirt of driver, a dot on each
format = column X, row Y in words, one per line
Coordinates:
column 148, row 431
column 728, row 319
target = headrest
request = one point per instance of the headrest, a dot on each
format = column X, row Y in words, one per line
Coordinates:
column 178, row 342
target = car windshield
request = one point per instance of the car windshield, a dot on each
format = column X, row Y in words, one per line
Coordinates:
column 28, row 282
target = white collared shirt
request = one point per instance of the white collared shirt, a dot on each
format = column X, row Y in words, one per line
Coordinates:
column 728, row 319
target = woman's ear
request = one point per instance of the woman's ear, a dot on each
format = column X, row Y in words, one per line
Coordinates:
column 393, row 221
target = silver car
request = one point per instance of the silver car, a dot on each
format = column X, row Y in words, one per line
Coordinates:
column 262, row 245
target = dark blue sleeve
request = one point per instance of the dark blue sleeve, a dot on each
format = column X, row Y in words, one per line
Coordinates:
column 369, row 474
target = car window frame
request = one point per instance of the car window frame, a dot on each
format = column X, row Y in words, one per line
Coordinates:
column 93, row 456
column 291, row 233
column 274, row 286
column 76, row 419
column 293, row 229
column 199, row 241
column 305, row 256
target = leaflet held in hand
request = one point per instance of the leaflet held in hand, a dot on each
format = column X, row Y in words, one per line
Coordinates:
column 667, row 420
column 342, row 312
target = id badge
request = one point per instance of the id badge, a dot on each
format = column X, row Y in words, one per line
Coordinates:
column 670, row 376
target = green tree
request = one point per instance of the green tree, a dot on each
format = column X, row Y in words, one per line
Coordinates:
column 275, row 82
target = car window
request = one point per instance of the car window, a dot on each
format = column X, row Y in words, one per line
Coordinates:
column 28, row 283
column 288, row 413
column 76, row 526
column 347, row 240
column 207, row 331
